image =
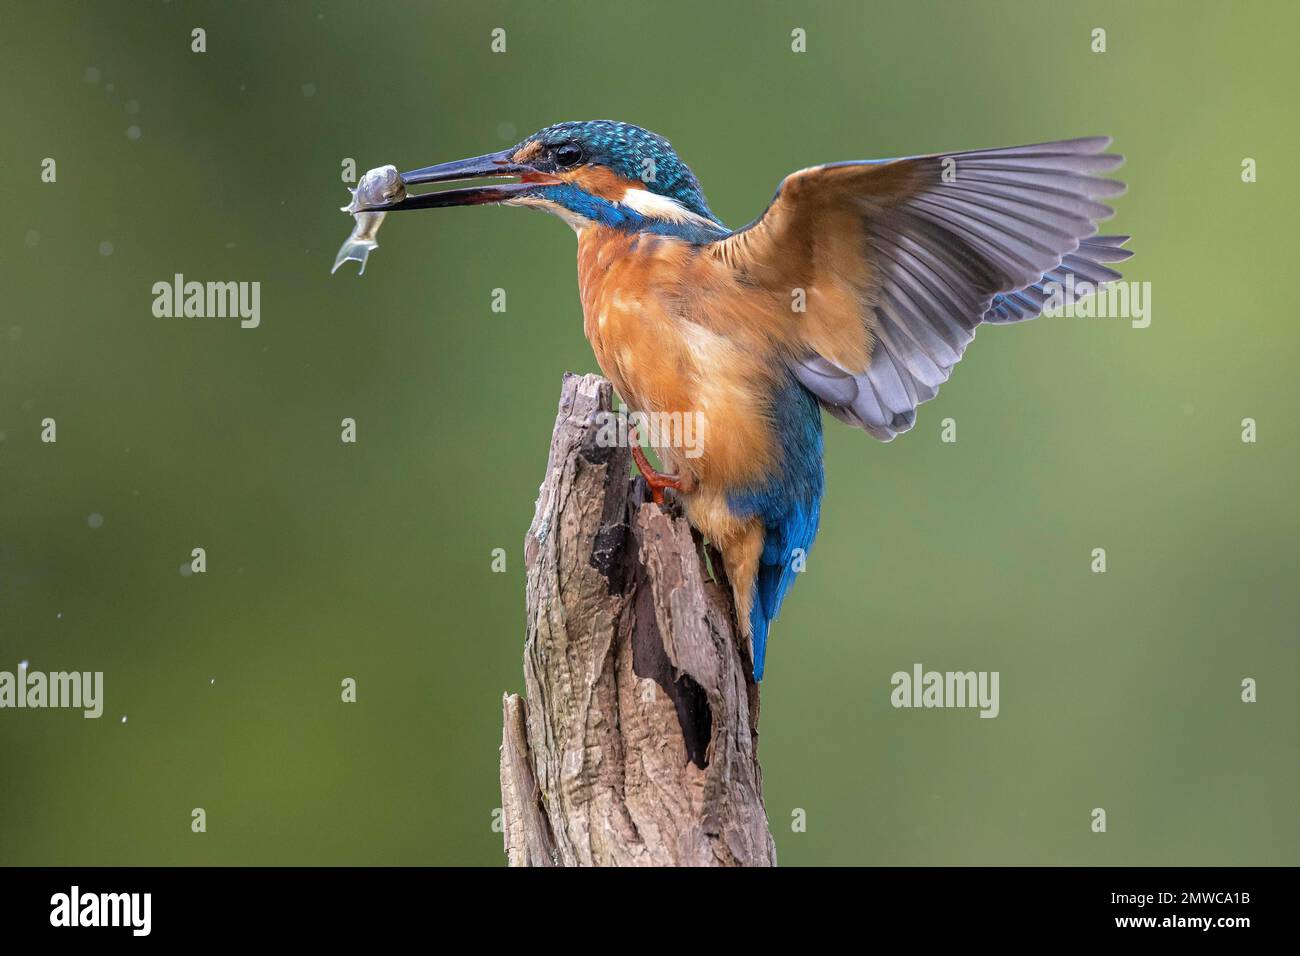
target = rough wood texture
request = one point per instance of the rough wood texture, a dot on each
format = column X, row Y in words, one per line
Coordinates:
column 637, row 744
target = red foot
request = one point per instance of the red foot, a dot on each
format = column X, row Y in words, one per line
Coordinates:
column 656, row 480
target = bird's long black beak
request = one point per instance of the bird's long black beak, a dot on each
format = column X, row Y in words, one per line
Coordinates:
column 487, row 166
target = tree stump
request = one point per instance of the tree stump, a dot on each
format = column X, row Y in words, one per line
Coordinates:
column 637, row 743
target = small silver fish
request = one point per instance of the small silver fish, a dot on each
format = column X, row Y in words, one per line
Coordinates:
column 378, row 187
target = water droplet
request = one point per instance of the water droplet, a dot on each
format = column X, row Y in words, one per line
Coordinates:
column 186, row 570
column 133, row 132
column 212, row 681
column 96, row 520
column 92, row 74
column 124, row 718
column 105, row 248
column 309, row 89
column 32, row 238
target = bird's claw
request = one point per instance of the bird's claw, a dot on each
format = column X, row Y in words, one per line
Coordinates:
column 655, row 479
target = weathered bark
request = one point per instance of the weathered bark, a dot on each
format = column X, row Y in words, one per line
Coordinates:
column 637, row 744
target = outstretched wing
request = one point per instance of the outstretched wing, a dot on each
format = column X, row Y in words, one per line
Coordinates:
column 902, row 259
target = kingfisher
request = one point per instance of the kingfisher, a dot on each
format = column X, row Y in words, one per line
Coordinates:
column 856, row 291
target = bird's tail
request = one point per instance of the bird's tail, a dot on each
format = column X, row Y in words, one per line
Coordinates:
column 769, row 589
column 785, row 551
column 758, row 624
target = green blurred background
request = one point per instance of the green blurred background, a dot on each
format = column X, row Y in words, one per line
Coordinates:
column 373, row 561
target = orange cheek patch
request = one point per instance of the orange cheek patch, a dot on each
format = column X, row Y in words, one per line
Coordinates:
column 601, row 182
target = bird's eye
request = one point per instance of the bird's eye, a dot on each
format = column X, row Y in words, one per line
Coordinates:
column 570, row 154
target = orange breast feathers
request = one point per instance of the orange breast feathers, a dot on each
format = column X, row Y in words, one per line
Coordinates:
column 680, row 334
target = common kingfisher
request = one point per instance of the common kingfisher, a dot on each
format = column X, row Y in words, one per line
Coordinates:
column 856, row 291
